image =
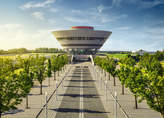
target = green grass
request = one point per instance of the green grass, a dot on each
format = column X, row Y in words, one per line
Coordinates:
column 118, row 56
column 26, row 55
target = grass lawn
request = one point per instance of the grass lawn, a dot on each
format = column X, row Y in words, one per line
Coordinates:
column 26, row 55
column 118, row 56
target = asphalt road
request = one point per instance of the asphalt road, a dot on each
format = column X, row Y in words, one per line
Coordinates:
column 81, row 99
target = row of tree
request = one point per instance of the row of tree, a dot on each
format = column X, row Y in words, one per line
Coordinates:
column 145, row 79
column 17, row 77
column 37, row 50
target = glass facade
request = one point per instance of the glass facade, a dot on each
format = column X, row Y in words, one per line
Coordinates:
column 81, row 38
column 82, row 51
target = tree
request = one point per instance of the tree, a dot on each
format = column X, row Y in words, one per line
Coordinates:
column 112, row 64
column 103, row 63
column 124, row 70
column 11, row 92
column 26, row 75
column 53, row 65
column 49, row 71
column 134, row 82
column 159, row 55
column 122, row 74
column 40, row 70
column 153, row 85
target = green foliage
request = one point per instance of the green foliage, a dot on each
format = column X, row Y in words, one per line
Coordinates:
column 10, row 92
column 125, row 69
column 159, row 55
column 144, row 79
column 49, row 68
column 153, row 85
column 58, row 62
column 16, row 77
column 40, row 70
column 108, row 64
column 151, row 63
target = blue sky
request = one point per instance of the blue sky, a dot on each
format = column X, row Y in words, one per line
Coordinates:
column 135, row 24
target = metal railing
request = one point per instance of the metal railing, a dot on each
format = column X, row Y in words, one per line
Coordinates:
column 99, row 73
column 47, row 99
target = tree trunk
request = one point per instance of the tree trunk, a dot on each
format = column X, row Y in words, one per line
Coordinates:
column 136, row 104
column 49, row 81
column 109, row 76
column 58, row 73
column 114, row 81
column 123, row 89
column 162, row 114
column 0, row 113
column 54, row 76
column 41, row 88
column 27, row 102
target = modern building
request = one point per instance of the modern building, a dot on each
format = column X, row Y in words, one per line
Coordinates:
column 81, row 39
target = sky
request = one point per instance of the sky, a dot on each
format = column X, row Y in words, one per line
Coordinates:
column 135, row 24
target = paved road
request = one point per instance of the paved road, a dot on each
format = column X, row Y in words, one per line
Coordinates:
column 81, row 99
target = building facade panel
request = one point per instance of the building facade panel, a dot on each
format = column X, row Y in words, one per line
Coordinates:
column 81, row 33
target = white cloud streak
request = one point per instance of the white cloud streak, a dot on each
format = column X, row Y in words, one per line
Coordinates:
column 123, row 28
column 150, row 4
column 77, row 20
column 38, row 15
column 146, row 4
column 116, row 2
column 142, row 4
column 33, row 4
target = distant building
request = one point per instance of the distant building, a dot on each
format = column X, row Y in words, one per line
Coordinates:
column 141, row 52
column 81, row 39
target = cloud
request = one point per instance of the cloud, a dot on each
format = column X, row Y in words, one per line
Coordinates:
column 106, row 19
column 141, row 4
column 156, row 34
column 77, row 11
column 11, row 26
column 38, row 15
column 16, row 36
column 112, row 18
column 145, row 4
column 77, row 20
column 123, row 28
column 116, row 2
column 33, row 4
column 150, row 4
column 54, row 10
column 100, row 8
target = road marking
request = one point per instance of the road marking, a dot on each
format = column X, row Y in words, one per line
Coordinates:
column 81, row 115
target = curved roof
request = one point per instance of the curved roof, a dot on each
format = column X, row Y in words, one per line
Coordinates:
column 82, row 27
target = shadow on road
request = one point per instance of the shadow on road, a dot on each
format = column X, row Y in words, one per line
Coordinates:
column 38, row 86
column 80, row 86
column 77, row 110
column 78, row 95
column 13, row 111
column 81, row 80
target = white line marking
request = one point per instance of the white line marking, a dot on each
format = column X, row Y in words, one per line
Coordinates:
column 81, row 115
